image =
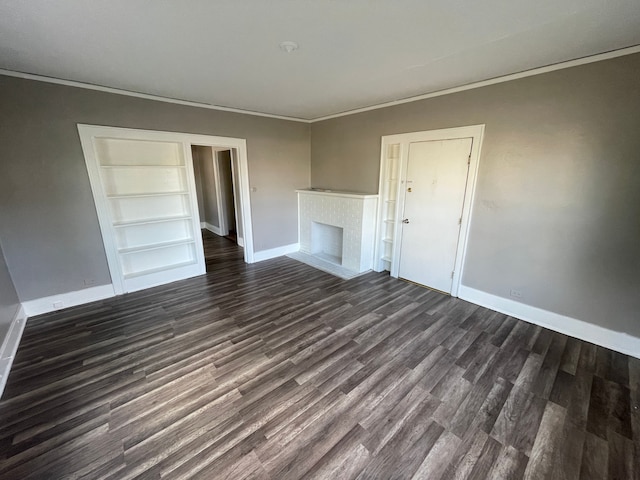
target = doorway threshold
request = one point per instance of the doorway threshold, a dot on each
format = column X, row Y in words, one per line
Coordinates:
column 325, row 266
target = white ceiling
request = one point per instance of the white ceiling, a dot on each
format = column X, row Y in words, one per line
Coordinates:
column 353, row 53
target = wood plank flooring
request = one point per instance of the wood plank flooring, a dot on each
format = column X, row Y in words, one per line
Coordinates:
column 279, row 371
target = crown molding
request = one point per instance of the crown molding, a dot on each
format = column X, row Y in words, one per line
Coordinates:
column 470, row 86
column 492, row 81
column 146, row 96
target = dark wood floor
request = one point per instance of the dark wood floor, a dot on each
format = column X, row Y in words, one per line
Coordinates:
column 279, row 371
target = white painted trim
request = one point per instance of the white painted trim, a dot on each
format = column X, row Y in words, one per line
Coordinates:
column 618, row 341
column 470, row 86
column 337, row 193
column 491, row 81
column 212, row 228
column 242, row 203
column 203, row 225
column 102, row 208
column 10, row 344
column 276, row 252
column 476, row 132
column 164, row 277
column 42, row 305
column 221, row 204
column 200, row 267
column 146, row 96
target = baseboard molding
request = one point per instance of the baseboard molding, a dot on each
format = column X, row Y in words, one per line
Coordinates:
column 275, row 252
column 66, row 300
column 212, row 228
column 9, row 345
column 240, row 242
column 618, row 341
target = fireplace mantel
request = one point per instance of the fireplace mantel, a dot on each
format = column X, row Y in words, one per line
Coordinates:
column 352, row 215
column 337, row 193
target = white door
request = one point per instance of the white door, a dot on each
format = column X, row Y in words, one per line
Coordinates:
column 434, row 193
column 144, row 190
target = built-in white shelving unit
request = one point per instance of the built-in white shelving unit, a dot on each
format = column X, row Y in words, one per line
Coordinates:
column 146, row 187
column 387, row 210
column 145, row 195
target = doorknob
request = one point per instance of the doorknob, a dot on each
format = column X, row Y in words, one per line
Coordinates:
column 406, row 220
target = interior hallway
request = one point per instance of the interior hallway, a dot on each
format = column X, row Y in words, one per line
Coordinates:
column 220, row 252
column 277, row 370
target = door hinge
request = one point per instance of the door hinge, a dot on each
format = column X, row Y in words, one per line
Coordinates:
column 469, row 160
column 460, row 221
column 452, row 274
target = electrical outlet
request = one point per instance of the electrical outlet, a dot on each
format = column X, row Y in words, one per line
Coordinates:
column 516, row 293
column 58, row 305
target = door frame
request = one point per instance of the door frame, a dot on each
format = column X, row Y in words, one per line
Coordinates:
column 237, row 206
column 476, row 133
column 88, row 132
column 222, row 217
column 239, row 146
column 223, row 220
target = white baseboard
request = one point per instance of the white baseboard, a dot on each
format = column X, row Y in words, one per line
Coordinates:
column 241, row 242
column 9, row 345
column 275, row 252
column 212, row 228
column 618, row 341
column 65, row 300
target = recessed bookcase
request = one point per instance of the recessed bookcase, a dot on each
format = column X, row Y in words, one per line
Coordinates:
column 146, row 186
column 387, row 209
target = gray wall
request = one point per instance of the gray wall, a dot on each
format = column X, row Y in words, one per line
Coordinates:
column 50, row 230
column 557, row 209
column 9, row 302
column 227, row 187
column 197, row 173
column 209, row 202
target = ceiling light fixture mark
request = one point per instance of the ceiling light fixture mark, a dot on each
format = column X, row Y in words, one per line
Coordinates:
column 288, row 46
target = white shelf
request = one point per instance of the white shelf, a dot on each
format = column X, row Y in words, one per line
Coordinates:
column 155, row 246
column 159, row 269
column 141, row 195
column 151, row 220
column 389, row 194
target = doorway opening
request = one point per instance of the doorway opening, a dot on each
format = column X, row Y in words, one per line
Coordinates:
column 427, row 186
column 218, row 187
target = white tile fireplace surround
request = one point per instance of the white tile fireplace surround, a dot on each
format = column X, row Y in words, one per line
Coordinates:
column 337, row 231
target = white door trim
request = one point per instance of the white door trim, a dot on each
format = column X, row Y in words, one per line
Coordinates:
column 237, row 205
column 239, row 146
column 223, row 229
column 476, row 132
